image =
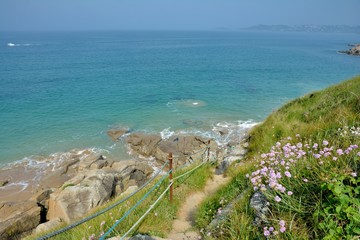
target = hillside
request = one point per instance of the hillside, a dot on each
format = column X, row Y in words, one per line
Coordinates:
column 303, row 164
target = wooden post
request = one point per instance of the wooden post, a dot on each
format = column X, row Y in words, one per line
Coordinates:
column 171, row 176
column 208, row 151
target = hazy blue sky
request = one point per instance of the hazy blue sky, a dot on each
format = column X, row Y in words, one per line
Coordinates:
column 171, row 14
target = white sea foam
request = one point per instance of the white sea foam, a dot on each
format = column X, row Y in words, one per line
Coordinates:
column 20, row 44
column 166, row 133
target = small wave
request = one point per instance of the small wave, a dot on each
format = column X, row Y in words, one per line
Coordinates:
column 21, row 185
column 166, row 133
column 21, row 44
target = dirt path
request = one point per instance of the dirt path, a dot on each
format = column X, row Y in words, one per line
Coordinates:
column 182, row 226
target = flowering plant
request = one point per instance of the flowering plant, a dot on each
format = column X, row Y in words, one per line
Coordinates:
column 295, row 178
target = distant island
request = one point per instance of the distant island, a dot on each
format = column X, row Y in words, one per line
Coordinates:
column 306, row 28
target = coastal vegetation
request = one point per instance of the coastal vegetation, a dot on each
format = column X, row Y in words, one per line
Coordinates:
column 305, row 160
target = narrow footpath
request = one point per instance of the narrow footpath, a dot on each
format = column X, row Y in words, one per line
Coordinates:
column 185, row 221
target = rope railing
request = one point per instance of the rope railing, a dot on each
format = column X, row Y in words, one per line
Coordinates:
column 135, row 205
column 67, row 228
column 147, row 212
column 160, row 197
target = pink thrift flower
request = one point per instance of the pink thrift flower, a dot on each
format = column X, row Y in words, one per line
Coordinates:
column 277, row 199
column 267, row 233
column 290, row 193
column 327, row 154
column 315, row 145
column 334, row 158
column 282, row 229
column 339, row 152
column 353, row 174
column 297, row 135
column 358, row 154
column 317, row 156
column 321, row 162
column 271, row 229
column 288, row 174
column 325, row 143
column 282, row 223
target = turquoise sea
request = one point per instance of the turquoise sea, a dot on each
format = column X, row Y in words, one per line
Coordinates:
column 63, row 90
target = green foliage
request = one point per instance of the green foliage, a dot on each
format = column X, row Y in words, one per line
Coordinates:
column 339, row 215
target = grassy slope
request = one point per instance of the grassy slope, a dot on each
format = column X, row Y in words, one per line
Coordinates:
column 316, row 117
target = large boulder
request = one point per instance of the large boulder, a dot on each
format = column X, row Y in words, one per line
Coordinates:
column 73, row 202
column 182, row 147
column 143, row 144
column 18, row 218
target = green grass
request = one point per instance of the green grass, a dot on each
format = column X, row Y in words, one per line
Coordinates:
column 156, row 223
column 327, row 206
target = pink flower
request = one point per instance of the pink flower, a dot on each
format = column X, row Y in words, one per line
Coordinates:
column 353, row 174
column 290, row 193
column 305, row 180
column 282, row 229
column 334, row 158
column 277, row 199
column 271, row 229
column 317, row 156
column 339, row 152
column 288, row 174
column 358, row 154
column 325, row 143
column 267, row 233
column 282, row 223
column 297, row 135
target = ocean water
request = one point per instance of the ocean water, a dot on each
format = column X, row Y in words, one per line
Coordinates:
column 63, row 90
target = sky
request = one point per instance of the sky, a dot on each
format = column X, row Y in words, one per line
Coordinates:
column 40, row 15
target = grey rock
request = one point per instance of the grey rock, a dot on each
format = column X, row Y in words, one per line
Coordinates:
column 260, row 205
column 18, row 218
column 47, row 226
column 74, row 202
column 355, row 50
column 141, row 237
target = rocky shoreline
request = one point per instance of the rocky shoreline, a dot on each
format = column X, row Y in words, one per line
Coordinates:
column 66, row 190
column 355, row 50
